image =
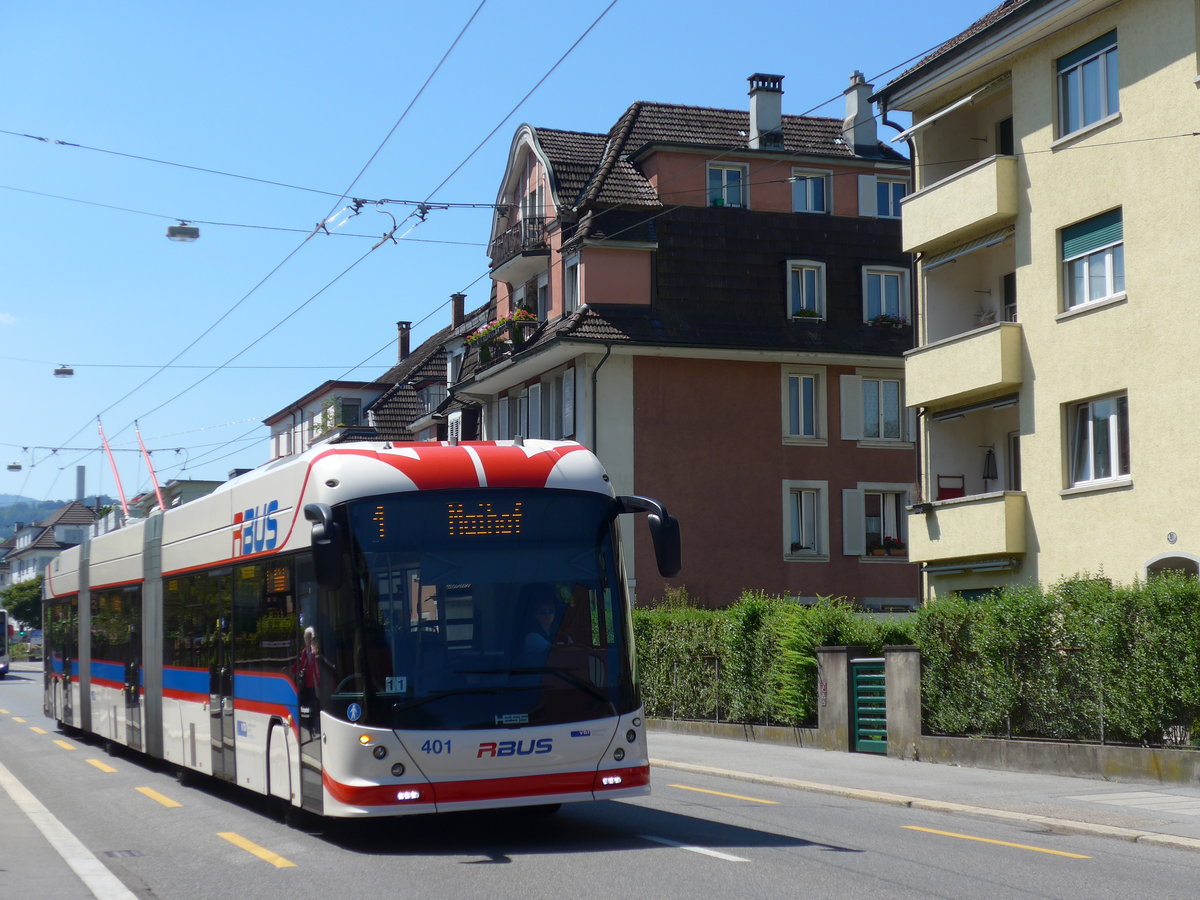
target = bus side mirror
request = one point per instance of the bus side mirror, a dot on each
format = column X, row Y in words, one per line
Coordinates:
column 664, row 531
column 326, row 545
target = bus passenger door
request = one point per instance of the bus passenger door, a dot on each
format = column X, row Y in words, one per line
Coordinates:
column 133, row 690
column 220, row 701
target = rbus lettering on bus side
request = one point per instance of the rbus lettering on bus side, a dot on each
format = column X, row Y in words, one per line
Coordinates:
column 258, row 529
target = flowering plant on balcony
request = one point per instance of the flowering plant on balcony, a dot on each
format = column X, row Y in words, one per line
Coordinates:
column 889, row 319
column 485, row 332
column 894, row 546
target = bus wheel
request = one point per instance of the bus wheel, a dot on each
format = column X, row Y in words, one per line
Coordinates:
column 185, row 777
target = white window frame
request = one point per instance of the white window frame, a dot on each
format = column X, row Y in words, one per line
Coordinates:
column 1085, row 432
column 817, row 494
column 1074, row 91
column 572, row 283
column 793, row 404
column 1105, row 261
column 534, row 395
column 854, row 515
column 543, row 297
column 797, row 267
column 852, row 392
column 903, row 297
column 804, row 199
column 568, row 402
column 724, row 168
column 893, row 202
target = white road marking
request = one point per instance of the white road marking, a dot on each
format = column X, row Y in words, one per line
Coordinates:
column 103, row 884
column 729, row 857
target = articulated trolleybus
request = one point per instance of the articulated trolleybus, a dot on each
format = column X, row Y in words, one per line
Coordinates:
column 368, row 630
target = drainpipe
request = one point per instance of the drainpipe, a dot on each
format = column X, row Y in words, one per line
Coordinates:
column 922, row 586
column 595, row 373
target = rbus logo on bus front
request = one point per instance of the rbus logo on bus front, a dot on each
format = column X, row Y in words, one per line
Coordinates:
column 256, row 529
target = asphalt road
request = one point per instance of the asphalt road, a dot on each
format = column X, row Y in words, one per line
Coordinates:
column 694, row 835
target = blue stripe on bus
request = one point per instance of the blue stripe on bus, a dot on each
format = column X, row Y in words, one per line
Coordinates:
column 276, row 689
column 190, row 681
column 108, row 671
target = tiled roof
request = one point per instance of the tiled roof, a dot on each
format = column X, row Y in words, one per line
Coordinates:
column 400, row 405
column 74, row 513
column 573, row 157
column 614, row 182
column 1003, row 11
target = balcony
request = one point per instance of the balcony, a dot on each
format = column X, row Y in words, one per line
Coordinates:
column 971, row 202
column 520, row 252
column 981, row 525
column 970, row 367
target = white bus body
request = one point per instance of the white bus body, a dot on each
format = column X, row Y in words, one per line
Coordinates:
column 349, row 630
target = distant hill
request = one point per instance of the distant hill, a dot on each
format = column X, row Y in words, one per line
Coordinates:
column 14, row 509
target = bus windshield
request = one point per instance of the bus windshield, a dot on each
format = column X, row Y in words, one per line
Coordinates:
column 480, row 609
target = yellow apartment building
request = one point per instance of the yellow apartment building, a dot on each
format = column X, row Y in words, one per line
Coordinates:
column 1056, row 155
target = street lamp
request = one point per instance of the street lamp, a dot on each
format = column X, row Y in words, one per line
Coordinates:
column 64, row 371
column 182, row 232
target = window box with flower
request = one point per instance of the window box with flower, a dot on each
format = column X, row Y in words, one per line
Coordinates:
column 887, row 320
column 894, row 547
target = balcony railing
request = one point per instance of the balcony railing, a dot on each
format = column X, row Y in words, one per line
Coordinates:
column 528, row 234
column 981, row 525
column 978, row 199
column 969, row 367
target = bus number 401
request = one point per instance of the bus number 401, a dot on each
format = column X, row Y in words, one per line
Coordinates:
column 435, row 747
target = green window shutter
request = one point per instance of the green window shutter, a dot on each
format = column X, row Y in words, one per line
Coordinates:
column 1091, row 48
column 1084, row 237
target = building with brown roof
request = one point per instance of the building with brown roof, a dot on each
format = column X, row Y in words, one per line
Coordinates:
column 716, row 302
column 33, row 547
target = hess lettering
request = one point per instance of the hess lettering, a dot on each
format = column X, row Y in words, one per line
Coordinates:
column 515, row 748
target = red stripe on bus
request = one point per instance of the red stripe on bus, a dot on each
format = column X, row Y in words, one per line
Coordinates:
column 514, row 788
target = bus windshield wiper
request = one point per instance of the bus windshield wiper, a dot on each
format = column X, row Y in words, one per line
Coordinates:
column 440, row 695
column 565, row 674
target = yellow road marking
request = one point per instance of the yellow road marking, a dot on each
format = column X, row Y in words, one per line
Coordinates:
column 684, row 787
column 155, row 795
column 102, row 766
column 18, row 719
column 37, row 730
column 967, row 837
column 3, row 712
column 261, row 852
column 65, row 745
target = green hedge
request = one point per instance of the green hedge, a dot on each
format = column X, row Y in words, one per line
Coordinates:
column 752, row 662
column 1081, row 660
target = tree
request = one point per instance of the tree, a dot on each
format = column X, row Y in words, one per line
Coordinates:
column 24, row 602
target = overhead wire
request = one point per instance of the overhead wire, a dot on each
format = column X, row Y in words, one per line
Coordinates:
column 290, row 255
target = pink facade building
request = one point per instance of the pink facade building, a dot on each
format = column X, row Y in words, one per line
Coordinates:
column 715, row 302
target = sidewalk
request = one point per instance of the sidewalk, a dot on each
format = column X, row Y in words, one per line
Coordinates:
column 1166, row 815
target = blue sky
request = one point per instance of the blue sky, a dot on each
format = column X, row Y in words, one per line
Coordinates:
column 305, row 95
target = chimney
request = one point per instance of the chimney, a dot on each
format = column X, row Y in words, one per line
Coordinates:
column 457, row 305
column 858, row 128
column 79, row 474
column 404, row 330
column 766, row 112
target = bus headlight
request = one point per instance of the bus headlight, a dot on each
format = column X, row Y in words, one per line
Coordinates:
column 379, row 752
column 631, row 735
column 619, row 754
column 397, row 769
